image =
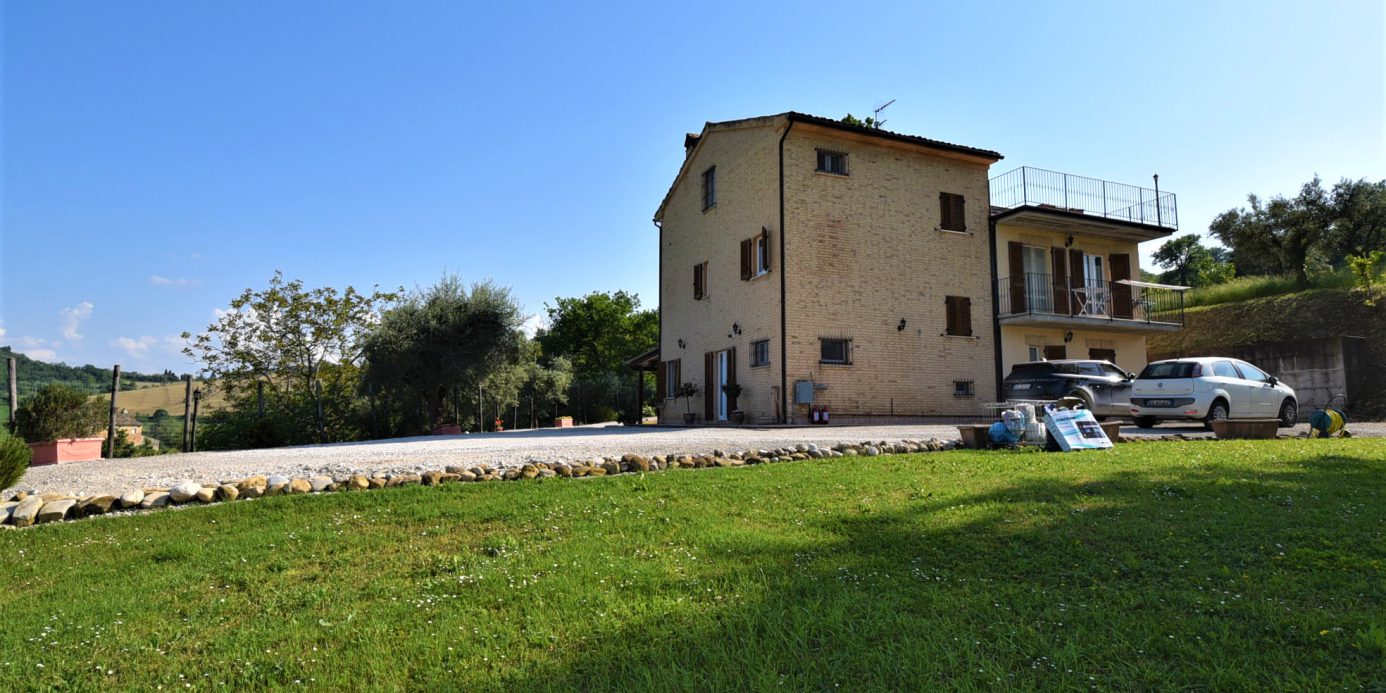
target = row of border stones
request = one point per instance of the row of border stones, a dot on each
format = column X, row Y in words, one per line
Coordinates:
column 26, row 509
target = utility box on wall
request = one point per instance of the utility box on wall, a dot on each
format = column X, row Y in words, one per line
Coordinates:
column 803, row 392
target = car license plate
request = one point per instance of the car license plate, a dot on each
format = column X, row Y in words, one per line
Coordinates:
column 1157, row 403
column 1020, row 386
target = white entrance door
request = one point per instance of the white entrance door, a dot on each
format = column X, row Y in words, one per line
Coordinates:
column 722, row 370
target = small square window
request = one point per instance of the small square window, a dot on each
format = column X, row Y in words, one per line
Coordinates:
column 835, row 351
column 709, row 188
column 832, row 162
column 964, row 388
column 760, row 353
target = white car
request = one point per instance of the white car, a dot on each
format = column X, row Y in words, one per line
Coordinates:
column 1207, row 389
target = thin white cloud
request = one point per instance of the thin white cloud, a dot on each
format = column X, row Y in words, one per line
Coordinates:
column 136, row 347
column 140, row 347
column 2, row 332
column 533, row 324
column 46, row 355
column 73, row 317
column 178, row 283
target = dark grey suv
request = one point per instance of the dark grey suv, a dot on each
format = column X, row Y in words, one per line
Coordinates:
column 1104, row 388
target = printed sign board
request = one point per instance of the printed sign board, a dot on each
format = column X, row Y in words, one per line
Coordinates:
column 1076, row 429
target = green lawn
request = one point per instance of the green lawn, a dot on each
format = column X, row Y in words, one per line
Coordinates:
column 1204, row 565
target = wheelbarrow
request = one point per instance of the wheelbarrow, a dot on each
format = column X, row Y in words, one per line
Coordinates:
column 1327, row 422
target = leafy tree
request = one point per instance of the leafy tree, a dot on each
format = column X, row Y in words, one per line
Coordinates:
column 1358, row 221
column 1188, row 262
column 598, row 333
column 1184, row 257
column 59, row 412
column 1365, row 269
column 1317, row 230
column 869, row 122
column 438, row 342
column 303, row 346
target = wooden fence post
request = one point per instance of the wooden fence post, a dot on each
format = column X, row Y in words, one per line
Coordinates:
column 14, row 393
column 187, row 412
column 111, row 428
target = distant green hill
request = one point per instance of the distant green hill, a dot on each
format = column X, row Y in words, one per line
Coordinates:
column 89, row 379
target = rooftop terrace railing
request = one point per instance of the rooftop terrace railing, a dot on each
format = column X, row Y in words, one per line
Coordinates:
column 1090, row 196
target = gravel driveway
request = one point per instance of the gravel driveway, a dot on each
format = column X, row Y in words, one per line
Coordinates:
column 403, row 455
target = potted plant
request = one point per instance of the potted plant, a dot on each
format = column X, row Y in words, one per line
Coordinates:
column 733, row 392
column 687, row 392
column 59, row 424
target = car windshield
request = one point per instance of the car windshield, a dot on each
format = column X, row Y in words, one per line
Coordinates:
column 1169, row 369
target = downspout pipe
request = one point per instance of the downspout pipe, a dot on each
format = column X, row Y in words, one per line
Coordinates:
column 995, row 301
column 784, row 339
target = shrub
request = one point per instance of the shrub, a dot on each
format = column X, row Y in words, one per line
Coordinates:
column 14, row 459
column 58, row 411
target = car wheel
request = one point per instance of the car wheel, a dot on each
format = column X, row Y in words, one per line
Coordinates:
column 1146, row 421
column 1217, row 412
column 1099, row 418
column 1289, row 413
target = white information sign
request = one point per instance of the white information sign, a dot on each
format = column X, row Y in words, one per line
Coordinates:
column 1076, row 429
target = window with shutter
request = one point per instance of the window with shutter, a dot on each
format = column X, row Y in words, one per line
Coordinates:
column 709, row 188
column 700, row 281
column 951, row 212
column 959, row 316
column 746, row 252
column 763, row 251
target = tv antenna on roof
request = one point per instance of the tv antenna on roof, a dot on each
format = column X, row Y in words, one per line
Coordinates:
column 877, row 111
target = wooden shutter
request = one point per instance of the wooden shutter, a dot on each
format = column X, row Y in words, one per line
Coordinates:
column 765, row 233
column 959, row 218
column 1059, row 281
column 747, row 252
column 959, row 310
column 699, row 281
column 661, row 387
column 709, row 385
column 1015, row 251
column 1121, row 293
column 731, row 377
column 1075, row 276
column 1055, row 351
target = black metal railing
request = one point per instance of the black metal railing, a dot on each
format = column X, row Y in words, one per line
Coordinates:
column 1033, row 293
column 1090, row 196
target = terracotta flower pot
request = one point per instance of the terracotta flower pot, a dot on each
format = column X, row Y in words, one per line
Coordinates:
column 66, row 450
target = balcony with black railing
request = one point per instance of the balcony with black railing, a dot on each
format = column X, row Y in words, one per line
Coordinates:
column 1085, row 197
column 1039, row 299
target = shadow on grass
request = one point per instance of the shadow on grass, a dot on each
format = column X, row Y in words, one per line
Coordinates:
column 1125, row 581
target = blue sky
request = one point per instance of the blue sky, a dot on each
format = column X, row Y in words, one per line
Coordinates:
column 158, row 158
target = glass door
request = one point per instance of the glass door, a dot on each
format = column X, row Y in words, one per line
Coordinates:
column 1039, row 292
column 1095, row 281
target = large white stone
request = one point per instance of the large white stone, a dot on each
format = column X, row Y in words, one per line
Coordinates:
column 184, row 491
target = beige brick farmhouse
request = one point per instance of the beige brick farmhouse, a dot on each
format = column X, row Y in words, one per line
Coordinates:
column 806, row 262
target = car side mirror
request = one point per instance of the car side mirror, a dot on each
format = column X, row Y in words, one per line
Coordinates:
column 1130, row 376
column 1272, row 380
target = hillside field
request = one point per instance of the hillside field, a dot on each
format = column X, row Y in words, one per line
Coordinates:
column 145, row 400
column 1156, row 566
